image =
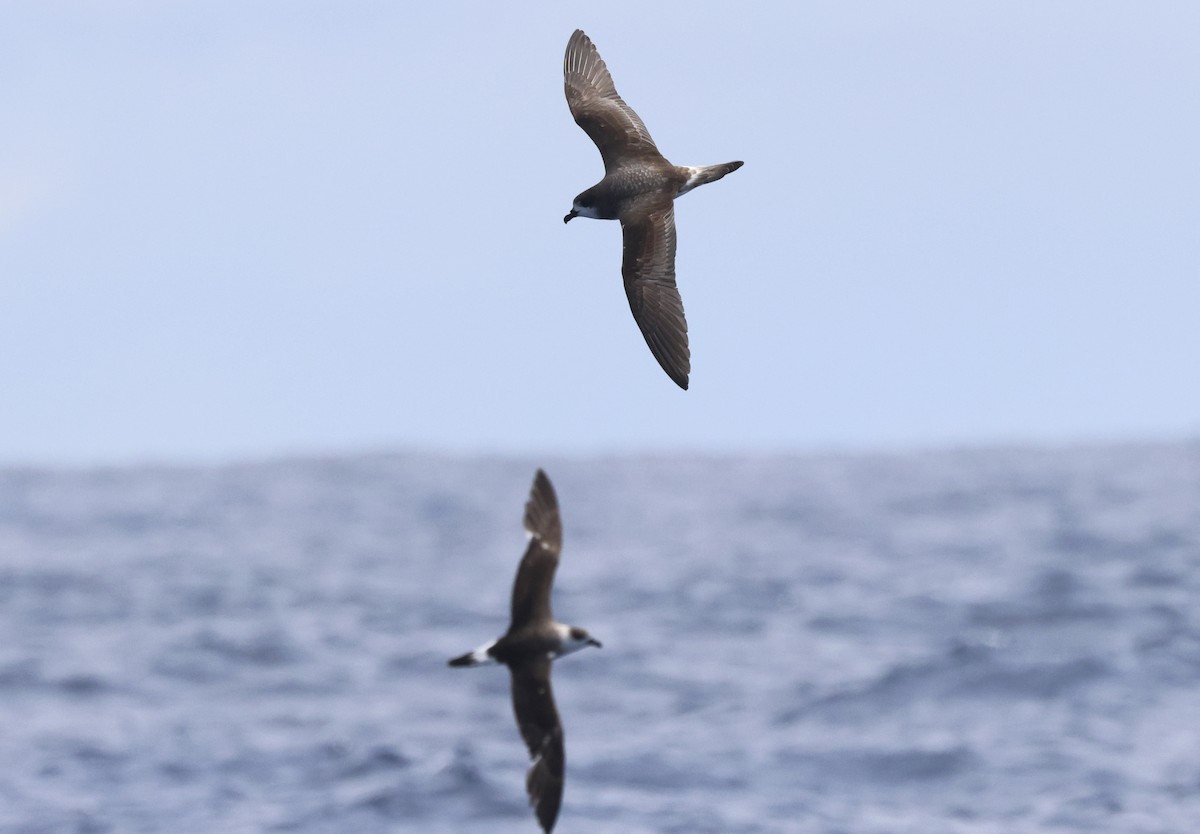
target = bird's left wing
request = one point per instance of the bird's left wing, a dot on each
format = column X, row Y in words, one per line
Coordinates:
column 535, row 574
column 648, row 267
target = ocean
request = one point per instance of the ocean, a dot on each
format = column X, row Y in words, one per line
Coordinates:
column 987, row 641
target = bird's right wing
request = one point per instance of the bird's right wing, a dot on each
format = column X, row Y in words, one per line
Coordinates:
column 537, row 719
column 617, row 131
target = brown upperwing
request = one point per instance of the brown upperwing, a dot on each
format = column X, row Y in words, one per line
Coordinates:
column 535, row 575
column 648, row 267
column 537, row 718
column 611, row 123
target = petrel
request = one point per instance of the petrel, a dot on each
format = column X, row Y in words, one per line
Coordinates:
column 639, row 189
column 532, row 641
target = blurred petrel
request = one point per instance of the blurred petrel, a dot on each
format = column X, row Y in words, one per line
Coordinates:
column 639, row 189
column 532, row 641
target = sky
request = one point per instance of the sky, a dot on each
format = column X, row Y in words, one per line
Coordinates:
column 235, row 230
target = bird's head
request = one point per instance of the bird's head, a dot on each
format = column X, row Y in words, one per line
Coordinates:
column 578, row 638
column 584, row 206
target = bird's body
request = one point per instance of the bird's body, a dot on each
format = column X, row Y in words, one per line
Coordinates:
column 532, row 642
column 639, row 189
column 624, row 189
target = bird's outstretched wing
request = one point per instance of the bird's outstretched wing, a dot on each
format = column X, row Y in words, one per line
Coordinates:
column 617, row 131
column 537, row 718
column 535, row 575
column 648, row 267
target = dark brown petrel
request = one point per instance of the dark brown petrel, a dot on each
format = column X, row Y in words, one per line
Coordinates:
column 532, row 641
column 639, row 189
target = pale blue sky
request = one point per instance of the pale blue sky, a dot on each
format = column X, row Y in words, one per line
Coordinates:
column 232, row 229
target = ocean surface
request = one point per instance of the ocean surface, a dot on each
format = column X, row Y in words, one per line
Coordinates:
column 991, row 641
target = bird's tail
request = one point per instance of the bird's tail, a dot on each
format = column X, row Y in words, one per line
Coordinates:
column 479, row 657
column 704, row 174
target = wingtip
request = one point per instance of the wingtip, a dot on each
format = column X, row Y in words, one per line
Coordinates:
column 545, row 805
column 578, row 37
column 679, row 372
column 541, row 512
column 679, row 375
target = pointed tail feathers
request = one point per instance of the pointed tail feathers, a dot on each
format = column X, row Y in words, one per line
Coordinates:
column 704, row 174
column 479, row 657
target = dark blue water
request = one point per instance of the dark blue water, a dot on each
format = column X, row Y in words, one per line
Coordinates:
column 988, row 641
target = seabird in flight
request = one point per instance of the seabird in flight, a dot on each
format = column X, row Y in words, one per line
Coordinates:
column 639, row 189
column 532, row 642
